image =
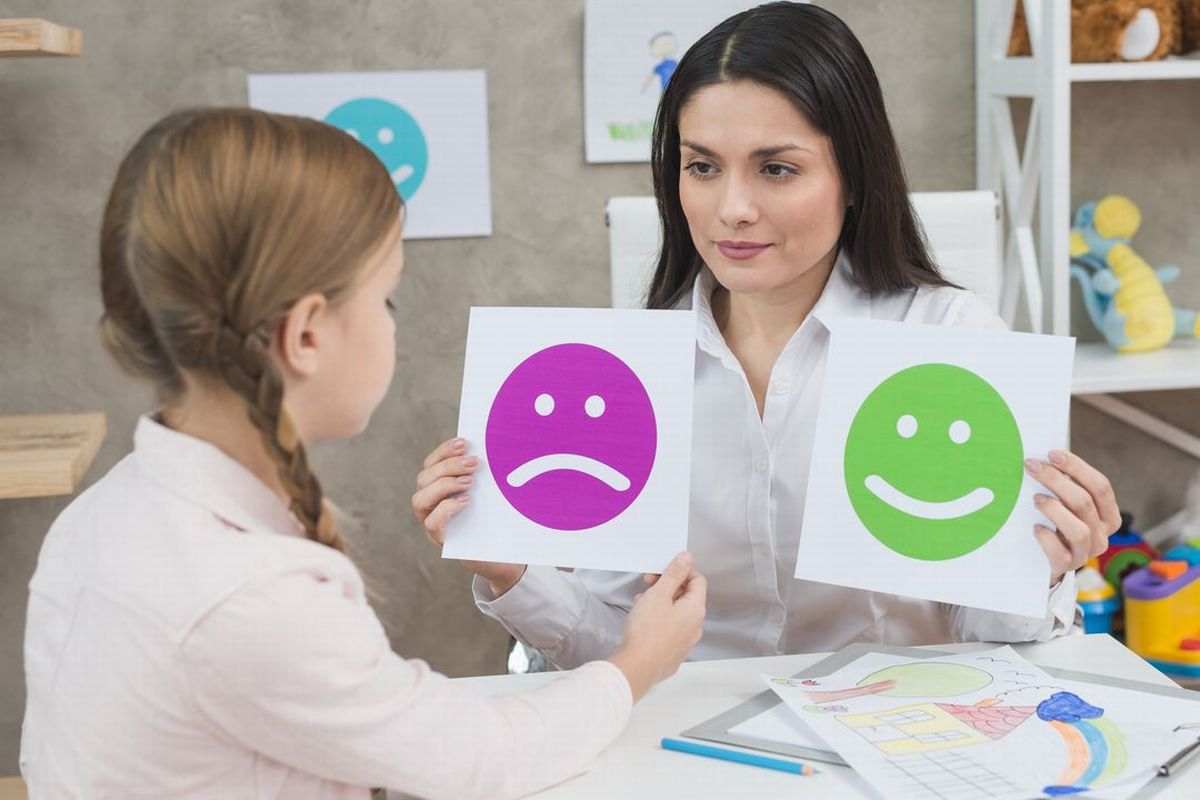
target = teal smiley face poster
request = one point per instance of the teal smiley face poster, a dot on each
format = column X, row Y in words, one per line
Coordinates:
column 917, row 484
column 429, row 129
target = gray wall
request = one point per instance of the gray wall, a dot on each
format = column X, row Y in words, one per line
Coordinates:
column 65, row 123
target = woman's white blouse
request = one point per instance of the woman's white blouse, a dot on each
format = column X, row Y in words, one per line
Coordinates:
column 749, row 477
column 184, row 641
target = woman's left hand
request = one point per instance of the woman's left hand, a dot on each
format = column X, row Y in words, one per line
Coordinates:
column 1084, row 512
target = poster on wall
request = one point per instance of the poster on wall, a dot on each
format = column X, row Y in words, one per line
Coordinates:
column 924, row 432
column 429, row 128
column 582, row 422
column 631, row 49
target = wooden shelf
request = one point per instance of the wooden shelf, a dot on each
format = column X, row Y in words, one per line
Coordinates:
column 41, row 456
column 37, row 37
column 1099, row 370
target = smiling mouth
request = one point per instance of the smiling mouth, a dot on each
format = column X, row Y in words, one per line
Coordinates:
column 969, row 503
column 556, row 461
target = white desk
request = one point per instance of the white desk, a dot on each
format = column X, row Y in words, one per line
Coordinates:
column 636, row 767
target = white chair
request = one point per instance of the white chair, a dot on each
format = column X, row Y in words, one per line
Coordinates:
column 963, row 230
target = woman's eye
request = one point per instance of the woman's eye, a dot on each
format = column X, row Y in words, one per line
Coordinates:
column 699, row 169
column 778, row 170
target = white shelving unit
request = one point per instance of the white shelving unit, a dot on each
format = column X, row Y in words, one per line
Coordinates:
column 1037, row 267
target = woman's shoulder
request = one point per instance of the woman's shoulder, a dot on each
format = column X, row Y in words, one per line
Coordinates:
column 946, row 305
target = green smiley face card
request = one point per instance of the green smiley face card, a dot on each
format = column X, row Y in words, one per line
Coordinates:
column 917, row 484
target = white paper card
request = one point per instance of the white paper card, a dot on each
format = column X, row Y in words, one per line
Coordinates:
column 631, row 49
column 918, row 485
column 429, row 128
column 582, row 420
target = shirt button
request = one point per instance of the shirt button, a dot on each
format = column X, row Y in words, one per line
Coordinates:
column 781, row 388
column 762, row 466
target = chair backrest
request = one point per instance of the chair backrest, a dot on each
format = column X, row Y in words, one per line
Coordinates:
column 962, row 229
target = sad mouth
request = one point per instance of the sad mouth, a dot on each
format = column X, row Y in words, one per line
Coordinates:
column 963, row 506
column 555, row 461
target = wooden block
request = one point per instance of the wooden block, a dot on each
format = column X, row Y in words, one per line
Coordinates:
column 12, row 789
column 47, row 455
column 37, row 37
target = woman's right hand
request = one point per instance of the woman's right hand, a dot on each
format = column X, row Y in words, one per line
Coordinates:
column 442, row 488
column 664, row 625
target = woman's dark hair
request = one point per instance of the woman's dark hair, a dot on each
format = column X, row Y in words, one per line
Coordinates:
column 812, row 58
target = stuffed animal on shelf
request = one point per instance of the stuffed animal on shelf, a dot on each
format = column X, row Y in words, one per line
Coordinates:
column 1122, row 30
column 1123, row 295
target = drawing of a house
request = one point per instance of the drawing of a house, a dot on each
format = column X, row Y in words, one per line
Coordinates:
column 922, row 727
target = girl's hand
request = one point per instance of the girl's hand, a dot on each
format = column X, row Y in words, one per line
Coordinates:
column 442, row 488
column 663, row 626
column 1084, row 512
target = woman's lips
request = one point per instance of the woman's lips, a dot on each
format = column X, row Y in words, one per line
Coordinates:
column 741, row 251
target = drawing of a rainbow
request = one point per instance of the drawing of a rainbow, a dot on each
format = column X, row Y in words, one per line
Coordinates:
column 1095, row 745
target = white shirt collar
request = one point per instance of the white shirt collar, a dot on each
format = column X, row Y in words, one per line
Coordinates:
column 841, row 297
column 200, row 473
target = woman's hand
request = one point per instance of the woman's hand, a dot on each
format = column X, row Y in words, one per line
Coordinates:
column 663, row 626
column 1084, row 511
column 442, row 488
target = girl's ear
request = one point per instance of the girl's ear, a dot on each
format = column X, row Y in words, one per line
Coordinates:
column 300, row 334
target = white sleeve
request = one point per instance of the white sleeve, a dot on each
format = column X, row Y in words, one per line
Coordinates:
column 570, row 617
column 977, row 625
column 297, row 667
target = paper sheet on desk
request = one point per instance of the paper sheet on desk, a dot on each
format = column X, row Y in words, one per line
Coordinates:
column 987, row 723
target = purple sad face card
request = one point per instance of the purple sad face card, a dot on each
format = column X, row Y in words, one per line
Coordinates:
column 582, row 422
column 571, row 437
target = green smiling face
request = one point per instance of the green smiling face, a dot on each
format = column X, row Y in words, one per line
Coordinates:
column 934, row 462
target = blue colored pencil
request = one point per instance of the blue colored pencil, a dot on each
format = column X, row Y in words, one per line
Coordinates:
column 697, row 749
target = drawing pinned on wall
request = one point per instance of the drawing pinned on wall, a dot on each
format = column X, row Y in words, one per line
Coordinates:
column 931, row 427
column 584, row 433
column 631, row 51
column 428, row 128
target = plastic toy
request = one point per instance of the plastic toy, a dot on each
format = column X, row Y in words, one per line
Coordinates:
column 1124, row 295
column 1098, row 599
column 1162, row 616
column 1127, row 551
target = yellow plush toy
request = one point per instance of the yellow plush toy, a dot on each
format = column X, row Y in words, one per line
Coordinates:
column 1122, row 30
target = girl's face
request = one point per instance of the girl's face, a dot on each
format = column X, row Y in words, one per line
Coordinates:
column 358, row 354
column 760, row 188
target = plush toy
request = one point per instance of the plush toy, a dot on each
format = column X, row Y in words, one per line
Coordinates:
column 1122, row 30
column 1124, row 295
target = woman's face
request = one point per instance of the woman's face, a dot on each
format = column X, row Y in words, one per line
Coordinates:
column 760, row 188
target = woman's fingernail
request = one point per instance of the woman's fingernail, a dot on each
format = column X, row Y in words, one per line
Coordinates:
column 1058, row 457
column 464, row 498
column 458, row 444
column 470, row 461
column 1032, row 465
column 466, row 480
column 1040, row 498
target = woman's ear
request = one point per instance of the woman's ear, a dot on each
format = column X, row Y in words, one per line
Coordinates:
column 299, row 336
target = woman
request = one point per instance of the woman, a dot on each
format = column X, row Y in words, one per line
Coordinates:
column 782, row 199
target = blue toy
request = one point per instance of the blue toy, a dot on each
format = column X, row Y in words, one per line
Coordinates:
column 1123, row 294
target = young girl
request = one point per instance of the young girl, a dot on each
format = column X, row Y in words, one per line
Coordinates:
column 782, row 199
column 194, row 629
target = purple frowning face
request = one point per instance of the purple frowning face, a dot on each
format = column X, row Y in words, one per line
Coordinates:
column 571, row 437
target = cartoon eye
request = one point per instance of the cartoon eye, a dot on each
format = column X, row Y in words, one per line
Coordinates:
column 594, row 406
column 385, row 135
column 960, row 431
column 544, row 405
column 906, row 426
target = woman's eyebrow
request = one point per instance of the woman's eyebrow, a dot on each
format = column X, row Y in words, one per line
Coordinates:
column 762, row 152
